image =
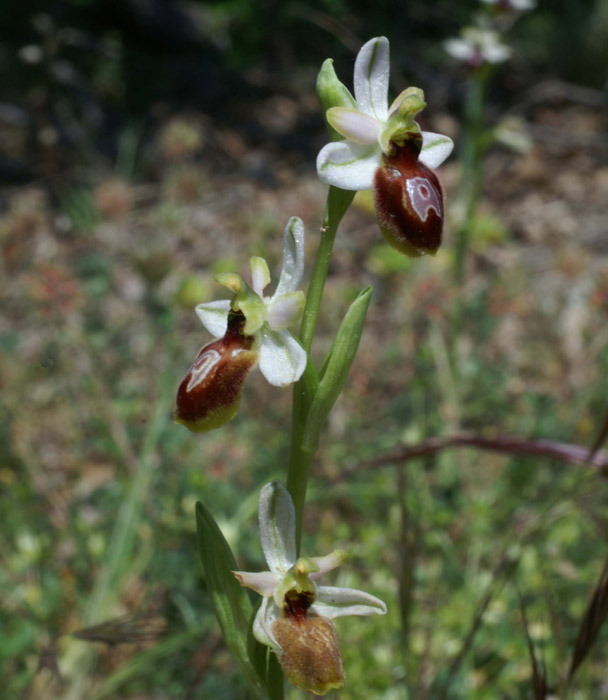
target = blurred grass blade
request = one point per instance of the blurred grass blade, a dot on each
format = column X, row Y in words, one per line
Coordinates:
column 130, row 629
column 141, row 662
column 501, row 574
column 230, row 601
column 341, row 357
column 118, row 558
column 539, row 673
column 594, row 618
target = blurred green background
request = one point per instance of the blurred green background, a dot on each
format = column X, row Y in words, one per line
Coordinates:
column 145, row 147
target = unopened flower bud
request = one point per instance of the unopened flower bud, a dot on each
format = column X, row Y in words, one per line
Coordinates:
column 310, row 653
column 409, row 200
column 210, row 393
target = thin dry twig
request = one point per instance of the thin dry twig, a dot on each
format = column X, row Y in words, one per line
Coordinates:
column 551, row 91
column 408, row 552
column 593, row 619
column 330, row 25
column 600, row 439
column 571, row 454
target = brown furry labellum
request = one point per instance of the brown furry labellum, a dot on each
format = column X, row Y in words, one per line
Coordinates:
column 409, row 200
column 210, row 393
column 310, row 652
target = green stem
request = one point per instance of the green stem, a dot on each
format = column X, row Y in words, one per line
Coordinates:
column 471, row 155
column 276, row 681
column 300, row 459
column 338, row 202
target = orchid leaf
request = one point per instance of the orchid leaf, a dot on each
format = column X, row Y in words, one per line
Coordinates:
column 232, row 606
column 337, row 367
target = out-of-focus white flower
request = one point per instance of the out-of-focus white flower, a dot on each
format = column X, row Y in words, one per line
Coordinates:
column 477, row 46
column 515, row 5
column 370, row 125
column 294, row 617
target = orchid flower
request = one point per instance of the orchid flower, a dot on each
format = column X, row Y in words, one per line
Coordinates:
column 369, row 125
column 250, row 328
column 384, row 148
column 294, row 617
column 282, row 358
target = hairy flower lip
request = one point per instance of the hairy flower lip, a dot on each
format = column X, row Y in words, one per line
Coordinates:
column 209, row 394
column 409, row 202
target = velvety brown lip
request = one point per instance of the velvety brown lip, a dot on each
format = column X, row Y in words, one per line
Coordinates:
column 212, row 386
column 409, row 200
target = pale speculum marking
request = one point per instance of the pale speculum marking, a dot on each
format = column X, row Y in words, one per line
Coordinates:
column 422, row 197
column 204, row 365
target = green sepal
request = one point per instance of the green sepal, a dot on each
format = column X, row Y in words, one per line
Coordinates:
column 336, row 368
column 332, row 93
column 232, row 606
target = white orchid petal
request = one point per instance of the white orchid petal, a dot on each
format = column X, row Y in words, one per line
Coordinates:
column 348, row 165
column 282, row 358
column 260, row 275
column 262, row 582
column 262, row 624
column 496, row 53
column 277, row 520
column 371, row 78
column 214, row 316
column 328, row 562
column 285, row 309
column 337, row 602
column 354, row 125
column 293, row 257
column 435, row 149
